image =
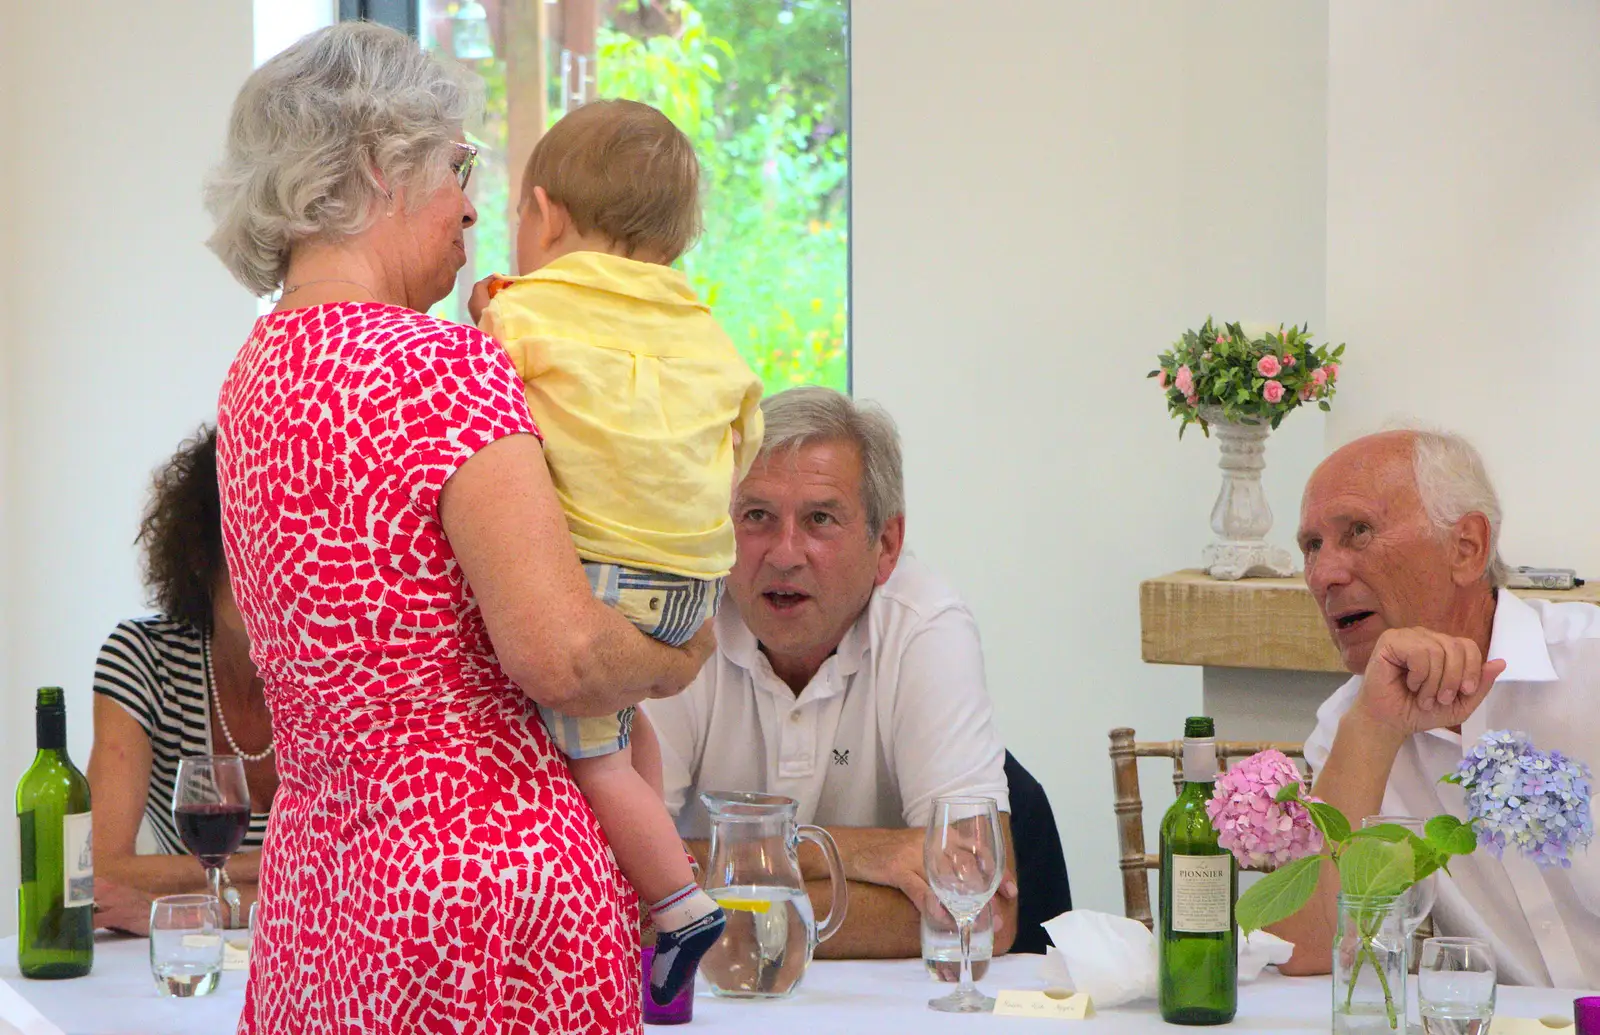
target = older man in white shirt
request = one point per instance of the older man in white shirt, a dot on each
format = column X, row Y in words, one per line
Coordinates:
column 847, row 676
column 1400, row 534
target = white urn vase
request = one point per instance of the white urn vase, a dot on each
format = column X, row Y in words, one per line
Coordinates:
column 1241, row 518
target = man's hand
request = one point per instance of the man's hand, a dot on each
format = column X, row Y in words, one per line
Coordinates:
column 1419, row 680
column 895, row 861
column 482, row 292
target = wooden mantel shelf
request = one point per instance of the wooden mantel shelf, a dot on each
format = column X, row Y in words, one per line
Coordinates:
column 1189, row 618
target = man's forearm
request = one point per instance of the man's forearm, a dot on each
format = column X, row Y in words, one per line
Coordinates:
column 879, row 923
column 1352, row 781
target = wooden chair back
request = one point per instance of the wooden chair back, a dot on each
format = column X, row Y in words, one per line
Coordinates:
column 1133, row 859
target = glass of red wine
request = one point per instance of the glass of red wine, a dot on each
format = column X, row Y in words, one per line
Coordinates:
column 211, row 809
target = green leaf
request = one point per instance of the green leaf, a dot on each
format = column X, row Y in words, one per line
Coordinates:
column 1335, row 828
column 1370, row 866
column 1425, row 858
column 1288, row 792
column 1278, row 895
column 1382, row 832
column 1324, row 407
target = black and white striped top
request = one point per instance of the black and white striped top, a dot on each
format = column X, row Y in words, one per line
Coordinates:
column 155, row 668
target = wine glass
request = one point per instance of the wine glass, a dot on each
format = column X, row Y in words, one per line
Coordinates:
column 964, row 856
column 1419, row 898
column 211, row 809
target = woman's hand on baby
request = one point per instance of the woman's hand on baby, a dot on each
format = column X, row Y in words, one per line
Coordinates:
column 482, row 292
column 696, row 653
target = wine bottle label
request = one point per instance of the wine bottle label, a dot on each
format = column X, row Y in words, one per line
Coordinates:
column 77, row 864
column 1202, row 886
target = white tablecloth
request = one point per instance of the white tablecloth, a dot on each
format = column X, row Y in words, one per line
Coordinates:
column 873, row 998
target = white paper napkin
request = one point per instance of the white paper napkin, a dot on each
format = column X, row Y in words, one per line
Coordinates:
column 1257, row 949
column 1113, row 958
column 18, row 1015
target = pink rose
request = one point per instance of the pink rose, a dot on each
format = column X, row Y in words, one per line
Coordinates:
column 1320, row 376
column 1161, row 379
column 1288, row 361
column 1185, row 381
column 1333, row 370
column 1192, row 399
column 1272, row 391
column 1305, row 393
column 1257, row 829
column 1268, row 367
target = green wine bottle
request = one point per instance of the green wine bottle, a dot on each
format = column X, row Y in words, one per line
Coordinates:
column 1199, row 886
column 55, row 903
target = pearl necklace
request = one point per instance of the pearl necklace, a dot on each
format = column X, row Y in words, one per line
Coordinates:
column 222, row 719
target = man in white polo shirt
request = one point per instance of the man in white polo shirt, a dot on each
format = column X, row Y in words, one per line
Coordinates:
column 847, row 676
column 1400, row 534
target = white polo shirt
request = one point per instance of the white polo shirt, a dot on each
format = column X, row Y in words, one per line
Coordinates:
column 897, row 717
column 1544, row 925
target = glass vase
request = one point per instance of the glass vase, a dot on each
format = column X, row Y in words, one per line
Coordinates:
column 1369, row 965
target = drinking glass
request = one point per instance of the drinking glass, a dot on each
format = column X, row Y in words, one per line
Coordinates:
column 964, row 857
column 185, row 944
column 1455, row 986
column 941, row 944
column 211, row 809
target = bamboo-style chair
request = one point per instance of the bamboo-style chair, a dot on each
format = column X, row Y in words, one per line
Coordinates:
column 1125, row 754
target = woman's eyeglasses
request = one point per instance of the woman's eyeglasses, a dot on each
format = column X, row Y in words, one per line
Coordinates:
column 466, row 157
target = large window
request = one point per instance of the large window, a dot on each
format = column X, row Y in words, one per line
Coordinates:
column 760, row 86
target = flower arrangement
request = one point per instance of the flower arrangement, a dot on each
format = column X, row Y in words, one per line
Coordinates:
column 1535, row 802
column 1250, row 377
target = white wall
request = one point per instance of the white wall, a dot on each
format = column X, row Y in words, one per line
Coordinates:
column 1045, row 194
column 14, row 730
column 1464, row 243
column 121, row 324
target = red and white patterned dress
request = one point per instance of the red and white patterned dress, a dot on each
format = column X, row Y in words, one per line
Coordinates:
column 430, row 866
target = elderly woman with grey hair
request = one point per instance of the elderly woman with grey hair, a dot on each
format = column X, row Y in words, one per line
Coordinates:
column 404, row 571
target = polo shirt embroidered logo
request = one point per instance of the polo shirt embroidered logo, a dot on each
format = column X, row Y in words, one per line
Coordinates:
column 841, row 757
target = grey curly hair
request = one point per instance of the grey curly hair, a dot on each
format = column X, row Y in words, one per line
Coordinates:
column 316, row 134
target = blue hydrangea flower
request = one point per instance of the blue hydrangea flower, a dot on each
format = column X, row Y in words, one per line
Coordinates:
column 1520, row 797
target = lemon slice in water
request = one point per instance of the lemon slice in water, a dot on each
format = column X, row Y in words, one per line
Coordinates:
column 745, row 905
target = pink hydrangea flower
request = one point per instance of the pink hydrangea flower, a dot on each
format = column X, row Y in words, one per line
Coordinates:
column 1258, row 830
column 1320, row 376
column 1272, row 391
column 1161, row 379
column 1185, row 380
column 1288, row 360
column 1269, row 366
column 1333, row 370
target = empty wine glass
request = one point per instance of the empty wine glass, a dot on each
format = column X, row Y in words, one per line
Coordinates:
column 964, row 857
column 1419, row 898
column 211, row 809
column 1455, row 986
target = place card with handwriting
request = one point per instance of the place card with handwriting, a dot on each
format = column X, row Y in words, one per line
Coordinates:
column 1055, row 1003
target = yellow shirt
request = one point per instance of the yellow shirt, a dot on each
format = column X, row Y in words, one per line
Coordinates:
column 638, row 393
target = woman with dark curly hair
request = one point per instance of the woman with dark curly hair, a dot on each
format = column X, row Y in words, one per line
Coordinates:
column 174, row 684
